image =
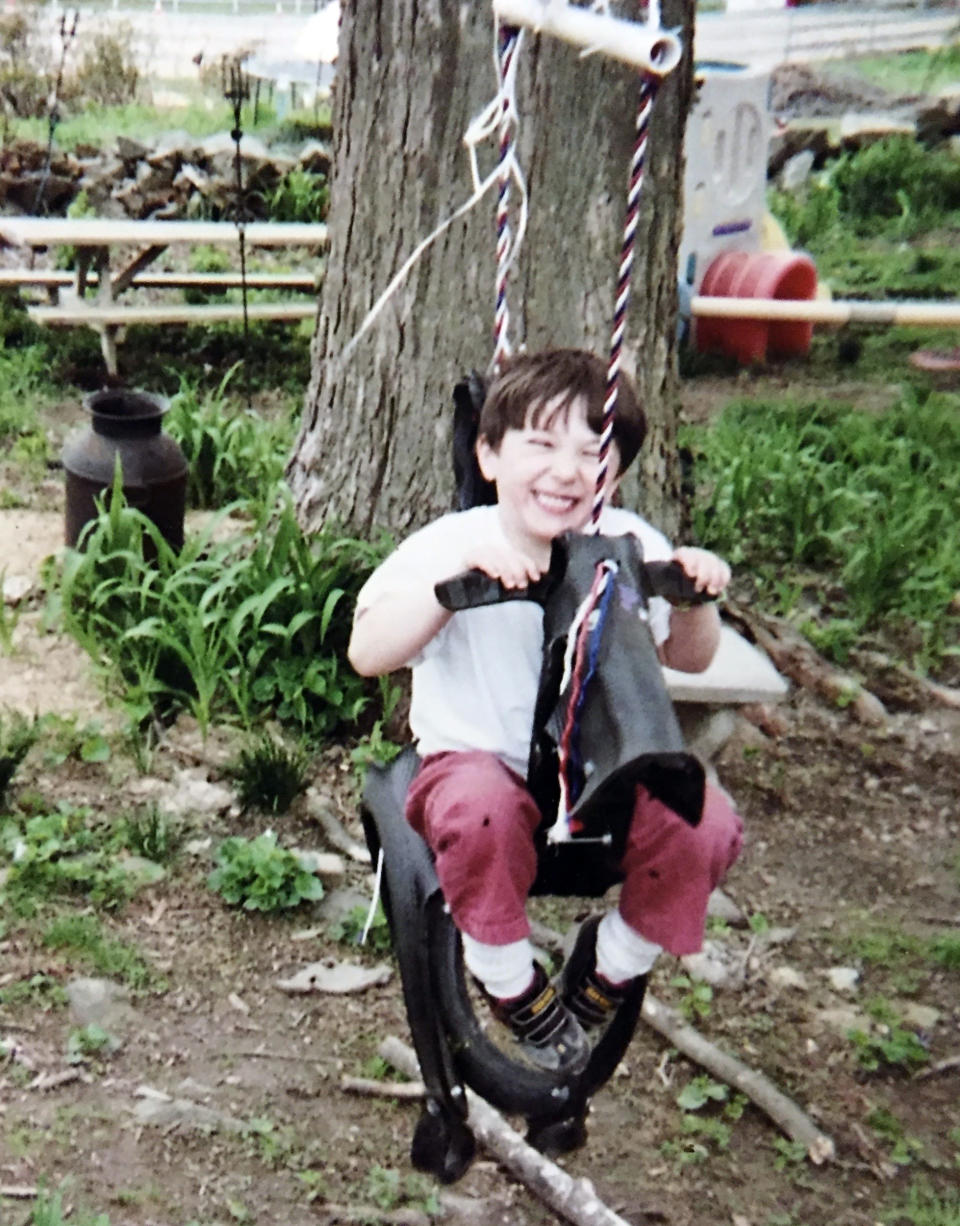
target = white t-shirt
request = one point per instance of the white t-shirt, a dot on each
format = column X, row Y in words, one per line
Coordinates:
column 475, row 682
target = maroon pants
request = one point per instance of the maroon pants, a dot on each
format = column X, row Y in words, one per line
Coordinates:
column 478, row 818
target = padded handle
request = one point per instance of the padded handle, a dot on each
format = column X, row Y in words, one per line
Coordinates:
column 473, row 588
column 669, row 580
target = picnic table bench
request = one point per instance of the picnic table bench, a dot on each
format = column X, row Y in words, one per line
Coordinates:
column 99, row 243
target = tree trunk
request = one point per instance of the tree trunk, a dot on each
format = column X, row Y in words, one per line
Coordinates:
column 374, row 447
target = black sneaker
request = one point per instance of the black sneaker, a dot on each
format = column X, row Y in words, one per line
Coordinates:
column 549, row 1036
column 588, row 995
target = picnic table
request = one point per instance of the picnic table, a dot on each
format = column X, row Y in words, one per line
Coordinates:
column 104, row 260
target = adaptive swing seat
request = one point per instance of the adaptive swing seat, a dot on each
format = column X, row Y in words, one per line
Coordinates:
column 618, row 743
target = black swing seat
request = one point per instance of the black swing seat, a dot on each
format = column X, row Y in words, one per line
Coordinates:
column 624, row 743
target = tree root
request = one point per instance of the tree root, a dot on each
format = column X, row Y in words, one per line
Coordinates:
column 803, row 664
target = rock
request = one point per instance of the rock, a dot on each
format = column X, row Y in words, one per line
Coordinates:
column 339, row 903
column 131, row 150
column 923, row 1016
column 722, row 907
column 188, row 792
column 161, row 1113
column 859, row 131
column 339, row 978
column 143, row 871
column 315, row 158
column 842, row 978
column 321, row 863
column 100, row 1002
column 796, row 171
column 716, row 964
column 787, row 977
column 15, row 588
column 842, row 1021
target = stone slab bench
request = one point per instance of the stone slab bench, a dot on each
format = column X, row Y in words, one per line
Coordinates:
column 739, row 673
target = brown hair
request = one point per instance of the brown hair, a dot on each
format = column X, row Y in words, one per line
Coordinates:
column 529, row 381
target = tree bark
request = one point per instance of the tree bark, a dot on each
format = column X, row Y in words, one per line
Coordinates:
column 374, row 444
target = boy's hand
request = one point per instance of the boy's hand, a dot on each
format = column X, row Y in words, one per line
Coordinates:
column 707, row 571
column 505, row 562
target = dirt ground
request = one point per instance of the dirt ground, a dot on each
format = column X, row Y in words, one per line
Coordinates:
column 224, row 1102
column 853, row 833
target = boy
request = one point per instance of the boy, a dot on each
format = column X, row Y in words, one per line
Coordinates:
column 475, row 676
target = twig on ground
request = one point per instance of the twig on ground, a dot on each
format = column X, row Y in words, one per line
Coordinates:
column 366, row 1214
column 50, row 1081
column 759, row 1089
column 382, row 1089
column 941, row 1066
column 13, row 1192
column 803, row 664
column 574, row 1199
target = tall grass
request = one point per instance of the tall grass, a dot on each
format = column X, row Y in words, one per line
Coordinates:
column 242, row 629
column 233, row 452
column 864, row 504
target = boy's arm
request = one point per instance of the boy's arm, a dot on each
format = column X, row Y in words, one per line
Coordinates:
column 397, row 624
column 388, row 633
column 695, row 632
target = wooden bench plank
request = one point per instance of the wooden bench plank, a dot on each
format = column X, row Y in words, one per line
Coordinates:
column 99, row 231
column 57, row 277
column 119, row 316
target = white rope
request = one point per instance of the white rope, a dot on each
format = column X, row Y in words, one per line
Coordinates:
column 371, row 914
column 480, row 128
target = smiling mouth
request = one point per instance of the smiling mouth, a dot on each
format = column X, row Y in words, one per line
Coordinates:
column 556, row 504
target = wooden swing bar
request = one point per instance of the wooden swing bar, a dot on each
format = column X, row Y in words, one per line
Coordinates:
column 644, row 46
column 818, row 311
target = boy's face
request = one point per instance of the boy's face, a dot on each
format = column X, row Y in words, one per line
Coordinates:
column 546, row 473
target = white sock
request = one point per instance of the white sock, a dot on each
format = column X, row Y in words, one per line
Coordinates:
column 504, row 970
column 622, row 953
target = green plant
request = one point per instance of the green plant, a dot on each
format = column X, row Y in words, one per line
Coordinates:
column 247, row 628
column 903, row 1148
column 64, row 852
column 107, row 74
column 697, row 999
column 83, row 935
column 259, row 875
column 152, row 834
column 924, row 1207
column 271, row 773
column 233, row 453
column 86, row 1042
column 789, row 1153
column 896, row 178
column 888, row 1044
column 801, row 486
column 18, row 735
column 349, row 929
column 388, row 1189
column 40, row 991
column 299, row 196
column 48, row 1211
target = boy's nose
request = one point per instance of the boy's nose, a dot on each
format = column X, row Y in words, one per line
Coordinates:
column 565, row 464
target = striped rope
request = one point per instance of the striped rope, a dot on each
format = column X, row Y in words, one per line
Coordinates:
column 507, row 41
column 648, row 92
column 583, row 646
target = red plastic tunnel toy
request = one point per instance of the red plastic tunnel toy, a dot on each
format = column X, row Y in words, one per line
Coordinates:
column 752, row 274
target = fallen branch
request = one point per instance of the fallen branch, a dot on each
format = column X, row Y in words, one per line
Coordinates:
column 574, row 1199
column 321, row 809
column 50, row 1081
column 901, row 685
column 759, row 1089
column 803, row 664
column 18, row 1193
column 382, row 1089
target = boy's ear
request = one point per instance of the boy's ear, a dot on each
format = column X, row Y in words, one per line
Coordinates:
column 486, row 459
